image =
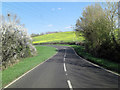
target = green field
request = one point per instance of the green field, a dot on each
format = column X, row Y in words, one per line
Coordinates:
column 57, row 37
column 26, row 64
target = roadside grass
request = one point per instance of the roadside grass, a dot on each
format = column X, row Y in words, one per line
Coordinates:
column 57, row 38
column 80, row 50
column 11, row 73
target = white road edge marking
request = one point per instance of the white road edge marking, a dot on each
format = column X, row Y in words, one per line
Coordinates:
column 29, row 71
column 65, row 68
column 96, row 64
column 69, row 84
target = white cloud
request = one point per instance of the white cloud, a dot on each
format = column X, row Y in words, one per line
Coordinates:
column 50, row 25
column 59, row 8
column 68, row 27
column 53, row 9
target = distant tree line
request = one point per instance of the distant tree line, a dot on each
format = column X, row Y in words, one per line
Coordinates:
column 100, row 29
column 34, row 35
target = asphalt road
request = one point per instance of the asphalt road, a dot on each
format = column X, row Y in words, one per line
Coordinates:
column 67, row 70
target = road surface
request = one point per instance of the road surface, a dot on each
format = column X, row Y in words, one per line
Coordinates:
column 67, row 70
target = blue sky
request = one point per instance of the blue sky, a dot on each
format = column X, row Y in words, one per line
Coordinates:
column 41, row 17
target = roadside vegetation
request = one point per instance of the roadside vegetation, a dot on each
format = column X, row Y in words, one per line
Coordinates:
column 16, row 43
column 80, row 50
column 101, row 32
column 18, row 53
column 108, row 64
column 13, row 72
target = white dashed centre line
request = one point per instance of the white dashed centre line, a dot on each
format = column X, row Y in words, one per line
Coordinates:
column 69, row 84
column 65, row 68
column 64, row 62
column 64, row 59
column 65, row 53
column 68, row 81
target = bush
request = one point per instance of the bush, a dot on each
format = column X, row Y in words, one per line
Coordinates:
column 16, row 43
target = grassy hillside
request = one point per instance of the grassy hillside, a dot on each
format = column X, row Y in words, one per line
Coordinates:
column 57, row 37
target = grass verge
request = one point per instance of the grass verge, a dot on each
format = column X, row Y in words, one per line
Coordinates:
column 26, row 64
column 80, row 50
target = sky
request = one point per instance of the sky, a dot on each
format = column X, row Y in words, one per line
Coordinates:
column 41, row 17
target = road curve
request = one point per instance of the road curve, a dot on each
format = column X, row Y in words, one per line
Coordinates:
column 67, row 70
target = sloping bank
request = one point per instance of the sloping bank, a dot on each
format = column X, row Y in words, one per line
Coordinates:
column 13, row 72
